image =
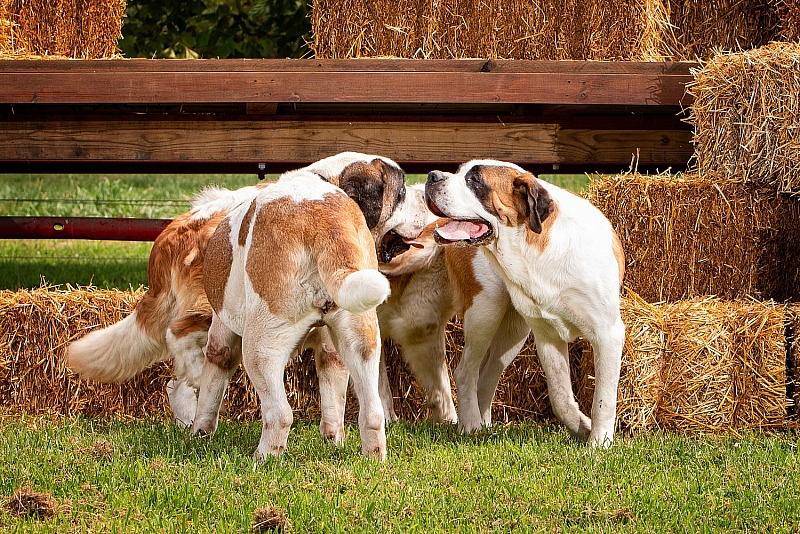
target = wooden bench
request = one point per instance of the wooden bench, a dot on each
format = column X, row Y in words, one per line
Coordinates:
column 262, row 115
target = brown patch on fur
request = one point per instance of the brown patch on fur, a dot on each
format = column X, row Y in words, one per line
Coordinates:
column 511, row 207
column 462, row 275
column 619, row 254
column 502, row 201
column 244, row 229
column 175, row 271
column 361, row 180
column 327, row 357
column 541, row 241
column 194, row 321
column 217, row 267
column 288, row 237
column 221, row 355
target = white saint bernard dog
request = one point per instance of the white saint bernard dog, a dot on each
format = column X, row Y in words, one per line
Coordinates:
column 562, row 264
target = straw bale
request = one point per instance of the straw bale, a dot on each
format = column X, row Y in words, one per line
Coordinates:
column 724, row 366
column 36, row 325
column 695, row 365
column 551, row 30
column 793, row 362
column 746, row 116
column 692, row 235
column 84, row 29
column 789, row 11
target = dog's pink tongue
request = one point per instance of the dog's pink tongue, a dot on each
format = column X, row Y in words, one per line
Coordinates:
column 415, row 244
column 460, row 230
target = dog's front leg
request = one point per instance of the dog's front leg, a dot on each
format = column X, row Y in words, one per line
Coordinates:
column 607, row 363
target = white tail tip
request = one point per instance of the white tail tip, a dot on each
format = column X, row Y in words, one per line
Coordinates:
column 363, row 290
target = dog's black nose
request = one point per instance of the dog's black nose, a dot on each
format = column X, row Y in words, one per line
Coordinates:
column 435, row 176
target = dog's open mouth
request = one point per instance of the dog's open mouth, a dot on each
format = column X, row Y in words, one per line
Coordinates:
column 393, row 244
column 466, row 232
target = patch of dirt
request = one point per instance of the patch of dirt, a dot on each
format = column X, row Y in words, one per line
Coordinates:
column 28, row 503
column 270, row 519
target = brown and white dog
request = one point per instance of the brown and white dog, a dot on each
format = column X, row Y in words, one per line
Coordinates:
column 562, row 264
column 299, row 255
column 429, row 286
column 173, row 317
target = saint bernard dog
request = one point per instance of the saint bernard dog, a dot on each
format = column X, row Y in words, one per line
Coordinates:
column 173, row 317
column 299, row 255
column 429, row 286
column 562, row 264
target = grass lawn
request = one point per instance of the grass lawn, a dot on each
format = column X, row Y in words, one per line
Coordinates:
column 112, row 476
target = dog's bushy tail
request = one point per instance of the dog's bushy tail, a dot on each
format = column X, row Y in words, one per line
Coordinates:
column 349, row 273
column 362, row 290
column 116, row 353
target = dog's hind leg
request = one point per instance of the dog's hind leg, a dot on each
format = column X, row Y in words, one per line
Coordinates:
column 186, row 339
column 268, row 343
column 554, row 356
column 424, row 350
column 223, row 355
column 333, row 377
column 607, row 363
column 385, row 392
column 507, row 342
column 357, row 339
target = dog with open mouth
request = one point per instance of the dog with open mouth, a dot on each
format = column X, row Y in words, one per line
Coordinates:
column 562, row 264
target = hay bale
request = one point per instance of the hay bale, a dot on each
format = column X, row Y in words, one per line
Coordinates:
column 692, row 235
column 724, row 366
column 35, row 327
column 789, row 11
column 550, row 30
column 84, row 29
column 746, row 116
column 704, row 365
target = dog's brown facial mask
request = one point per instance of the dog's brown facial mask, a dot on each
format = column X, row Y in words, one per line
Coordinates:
column 376, row 187
column 514, row 197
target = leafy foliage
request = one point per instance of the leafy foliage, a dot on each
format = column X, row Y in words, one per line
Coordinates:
column 216, row 29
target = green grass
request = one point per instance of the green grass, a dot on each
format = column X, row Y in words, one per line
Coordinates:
column 107, row 264
column 106, row 475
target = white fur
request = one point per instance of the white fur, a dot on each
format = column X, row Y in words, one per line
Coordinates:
column 363, row 290
column 213, row 200
column 568, row 289
column 116, row 353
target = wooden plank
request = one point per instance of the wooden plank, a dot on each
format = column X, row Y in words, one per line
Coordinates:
column 347, row 65
column 305, row 141
column 361, row 87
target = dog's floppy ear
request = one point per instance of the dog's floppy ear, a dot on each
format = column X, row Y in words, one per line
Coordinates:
column 362, row 182
column 539, row 203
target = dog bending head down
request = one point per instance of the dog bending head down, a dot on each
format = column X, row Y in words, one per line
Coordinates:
column 298, row 255
column 562, row 264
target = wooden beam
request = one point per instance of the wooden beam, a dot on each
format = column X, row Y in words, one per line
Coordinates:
column 367, row 81
column 599, row 143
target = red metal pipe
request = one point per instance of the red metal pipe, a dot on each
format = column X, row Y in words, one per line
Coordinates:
column 101, row 228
